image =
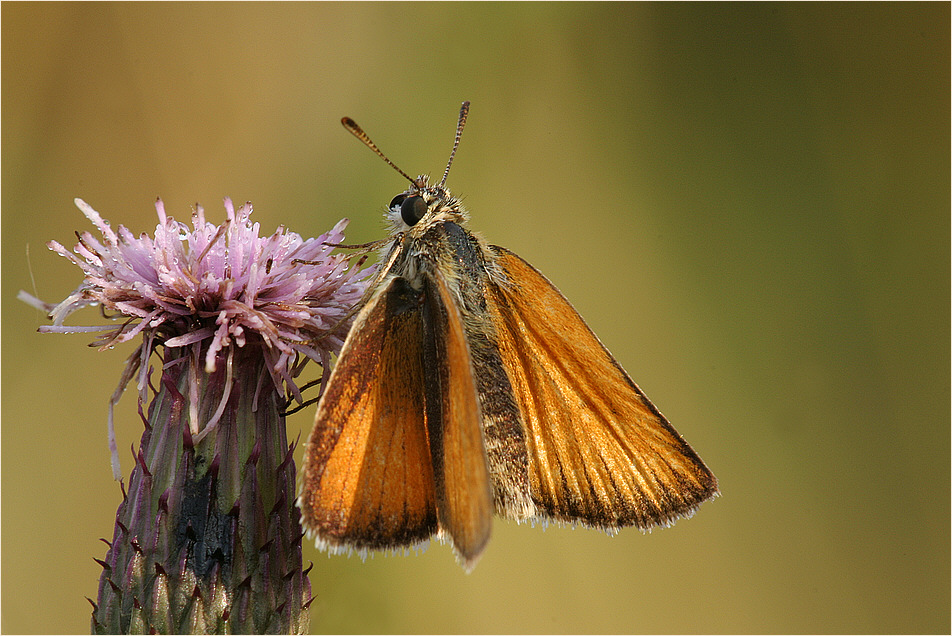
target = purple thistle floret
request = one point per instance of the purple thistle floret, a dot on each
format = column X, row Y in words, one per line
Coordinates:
column 207, row 537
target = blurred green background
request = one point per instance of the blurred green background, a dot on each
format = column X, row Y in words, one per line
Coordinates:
column 749, row 203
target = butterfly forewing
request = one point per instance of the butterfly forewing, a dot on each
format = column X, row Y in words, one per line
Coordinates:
column 599, row 451
column 368, row 478
column 464, row 494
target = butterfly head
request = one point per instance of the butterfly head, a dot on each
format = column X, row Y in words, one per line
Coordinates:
column 422, row 204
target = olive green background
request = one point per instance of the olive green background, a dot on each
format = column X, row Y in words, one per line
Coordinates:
column 749, row 204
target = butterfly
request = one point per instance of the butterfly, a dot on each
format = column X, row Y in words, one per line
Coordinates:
column 469, row 386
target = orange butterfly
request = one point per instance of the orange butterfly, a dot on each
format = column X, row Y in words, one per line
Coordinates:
column 469, row 385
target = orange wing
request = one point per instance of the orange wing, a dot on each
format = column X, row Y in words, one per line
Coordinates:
column 464, row 494
column 599, row 452
column 368, row 479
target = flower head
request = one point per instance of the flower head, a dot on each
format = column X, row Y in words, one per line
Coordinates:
column 217, row 283
column 213, row 286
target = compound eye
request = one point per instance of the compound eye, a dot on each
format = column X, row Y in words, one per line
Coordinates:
column 412, row 209
column 397, row 201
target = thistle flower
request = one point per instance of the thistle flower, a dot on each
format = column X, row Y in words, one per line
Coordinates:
column 207, row 537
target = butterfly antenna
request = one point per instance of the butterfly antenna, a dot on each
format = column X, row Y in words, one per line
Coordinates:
column 359, row 133
column 463, row 112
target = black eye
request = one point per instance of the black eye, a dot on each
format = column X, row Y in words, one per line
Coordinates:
column 412, row 209
column 397, row 202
